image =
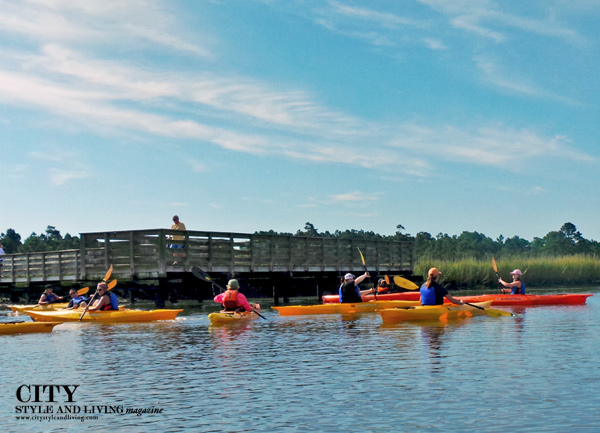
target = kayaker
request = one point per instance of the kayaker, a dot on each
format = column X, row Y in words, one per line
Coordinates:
column 233, row 300
column 106, row 300
column 350, row 291
column 433, row 293
column 517, row 286
column 76, row 300
column 48, row 297
column 382, row 286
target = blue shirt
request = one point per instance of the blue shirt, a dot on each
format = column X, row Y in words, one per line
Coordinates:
column 433, row 295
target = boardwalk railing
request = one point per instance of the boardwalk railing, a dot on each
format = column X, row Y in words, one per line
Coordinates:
column 149, row 254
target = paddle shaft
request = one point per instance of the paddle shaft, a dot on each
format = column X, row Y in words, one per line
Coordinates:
column 365, row 268
column 491, row 311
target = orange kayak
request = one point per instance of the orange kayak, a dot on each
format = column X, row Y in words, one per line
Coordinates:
column 112, row 316
column 26, row 327
column 331, row 308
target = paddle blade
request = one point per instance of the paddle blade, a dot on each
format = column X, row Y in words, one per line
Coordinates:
column 108, row 274
column 83, row 291
column 498, row 313
column 362, row 257
column 494, row 264
column 387, row 280
column 404, row 283
column 112, row 284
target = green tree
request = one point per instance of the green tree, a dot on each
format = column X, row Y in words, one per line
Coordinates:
column 11, row 241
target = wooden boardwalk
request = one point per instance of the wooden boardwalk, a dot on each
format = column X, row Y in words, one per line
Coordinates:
column 153, row 254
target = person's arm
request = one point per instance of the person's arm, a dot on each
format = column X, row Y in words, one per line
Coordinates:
column 360, row 279
column 101, row 303
column 42, row 300
column 512, row 284
column 244, row 302
column 219, row 298
column 454, row 300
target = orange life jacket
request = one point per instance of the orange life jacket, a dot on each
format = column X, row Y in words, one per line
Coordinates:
column 230, row 300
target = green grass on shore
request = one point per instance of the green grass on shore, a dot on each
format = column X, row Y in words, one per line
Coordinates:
column 537, row 272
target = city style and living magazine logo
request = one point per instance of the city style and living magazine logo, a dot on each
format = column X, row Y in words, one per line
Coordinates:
column 52, row 402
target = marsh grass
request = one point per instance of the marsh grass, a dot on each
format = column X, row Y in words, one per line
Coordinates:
column 537, row 272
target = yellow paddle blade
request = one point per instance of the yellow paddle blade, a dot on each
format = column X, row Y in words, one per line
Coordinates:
column 404, row 283
column 108, row 274
column 387, row 279
column 494, row 264
column 83, row 291
column 112, row 284
column 362, row 257
column 497, row 313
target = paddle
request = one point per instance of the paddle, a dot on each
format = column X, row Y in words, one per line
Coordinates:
column 404, row 283
column 111, row 285
column 498, row 274
column 365, row 267
column 492, row 311
column 201, row 275
column 108, row 274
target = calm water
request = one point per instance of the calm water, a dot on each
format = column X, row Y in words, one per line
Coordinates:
column 539, row 372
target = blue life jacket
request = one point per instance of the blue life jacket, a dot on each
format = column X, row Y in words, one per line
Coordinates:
column 114, row 301
column 517, row 291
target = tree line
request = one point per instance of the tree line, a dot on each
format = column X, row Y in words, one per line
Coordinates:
column 473, row 245
column 468, row 245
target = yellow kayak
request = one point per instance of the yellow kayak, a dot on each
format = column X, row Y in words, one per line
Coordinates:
column 119, row 316
column 225, row 317
column 360, row 307
column 432, row 312
column 37, row 307
column 26, row 327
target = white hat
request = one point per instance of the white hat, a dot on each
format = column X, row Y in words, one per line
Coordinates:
column 348, row 276
column 516, row 272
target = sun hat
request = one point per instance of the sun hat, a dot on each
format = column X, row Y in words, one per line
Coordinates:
column 233, row 284
column 516, row 272
column 348, row 276
column 434, row 272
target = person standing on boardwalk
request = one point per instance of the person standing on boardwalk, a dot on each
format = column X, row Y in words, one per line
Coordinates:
column 517, row 286
column 433, row 293
column 177, row 225
column 1, row 258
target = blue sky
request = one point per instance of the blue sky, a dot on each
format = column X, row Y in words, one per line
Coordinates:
column 244, row 115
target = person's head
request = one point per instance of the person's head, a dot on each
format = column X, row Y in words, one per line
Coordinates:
column 233, row 285
column 432, row 275
column 48, row 288
column 382, row 282
column 102, row 288
column 348, row 277
column 516, row 274
column 73, row 293
column 175, row 219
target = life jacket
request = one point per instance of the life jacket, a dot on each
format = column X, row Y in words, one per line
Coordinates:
column 518, row 291
column 114, row 303
column 51, row 298
column 78, row 300
column 230, row 300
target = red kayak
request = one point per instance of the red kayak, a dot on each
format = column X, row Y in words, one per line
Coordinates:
column 401, row 296
column 559, row 299
column 499, row 299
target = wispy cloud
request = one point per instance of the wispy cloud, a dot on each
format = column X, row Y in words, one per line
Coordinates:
column 60, row 177
column 64, row 78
